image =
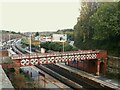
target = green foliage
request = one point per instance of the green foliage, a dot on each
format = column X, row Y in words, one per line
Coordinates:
column 19, row 33
column 83, row 29
column 13, row 32
column 99, row 28
column 105, row 21
column 36, row 34
column 70, row 36
column 56, row 46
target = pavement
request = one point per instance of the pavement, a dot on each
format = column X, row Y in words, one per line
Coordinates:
column 5, row 83
column 112, row 81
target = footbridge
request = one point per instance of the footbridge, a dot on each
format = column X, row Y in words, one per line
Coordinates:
column 31, row 59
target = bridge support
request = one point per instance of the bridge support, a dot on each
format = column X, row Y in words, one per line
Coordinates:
column 101, row 66
column 98, row 67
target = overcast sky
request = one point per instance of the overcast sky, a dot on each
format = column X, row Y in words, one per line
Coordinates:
column 42, row 15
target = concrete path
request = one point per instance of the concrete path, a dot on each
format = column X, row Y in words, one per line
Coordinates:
column 5, row 83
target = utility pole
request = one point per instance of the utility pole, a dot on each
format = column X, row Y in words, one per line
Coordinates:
column 63, row 46
column 63, row 42
column 10, row 42
column 30, row 43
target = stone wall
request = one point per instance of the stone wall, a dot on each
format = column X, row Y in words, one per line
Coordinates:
column 113, row 69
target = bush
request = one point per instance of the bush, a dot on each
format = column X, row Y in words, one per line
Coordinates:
column 56, row 46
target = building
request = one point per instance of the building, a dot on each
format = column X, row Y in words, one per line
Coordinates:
column 33, row 41
column 37, row 38
column 59, row 37
column 46, row 39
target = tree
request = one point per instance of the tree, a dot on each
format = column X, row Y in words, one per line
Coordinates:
column 96, row 28
column 82, row 30
column 36, row 34
column 105, row 21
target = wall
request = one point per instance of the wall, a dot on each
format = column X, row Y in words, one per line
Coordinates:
column 85, row 65
column 113, row 69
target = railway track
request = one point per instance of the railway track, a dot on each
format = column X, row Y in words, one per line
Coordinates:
column 71, row 77
column 61, row 78
column 20, row 49
column 17, row 49
column 84, row 82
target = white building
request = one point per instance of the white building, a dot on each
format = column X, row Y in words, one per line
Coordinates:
column 37, row 38
column 46, row 38
column 59, row 37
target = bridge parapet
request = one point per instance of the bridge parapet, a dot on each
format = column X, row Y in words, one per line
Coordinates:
column 34, row 55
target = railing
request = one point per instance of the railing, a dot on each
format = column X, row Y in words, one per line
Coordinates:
column 48, row 58
column 41, row 55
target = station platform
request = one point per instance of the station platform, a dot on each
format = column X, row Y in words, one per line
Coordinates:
column 103, row 81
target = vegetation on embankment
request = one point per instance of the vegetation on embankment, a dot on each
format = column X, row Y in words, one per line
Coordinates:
column 25, row 43
column 19, row 80
column 98, row 27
